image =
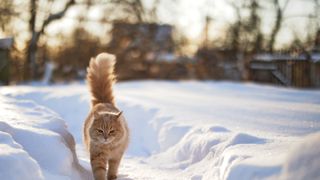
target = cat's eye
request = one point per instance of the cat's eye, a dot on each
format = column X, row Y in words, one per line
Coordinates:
column 111, row 132
column 99, row 131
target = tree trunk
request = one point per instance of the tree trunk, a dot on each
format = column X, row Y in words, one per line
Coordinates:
column 279, row 19
column 317, row 40
column 30, row 64
column 276, row 27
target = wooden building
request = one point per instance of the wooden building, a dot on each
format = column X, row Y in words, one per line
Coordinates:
column 219, row 64
column 315, row 69
column 285, row 69
column 138, row 46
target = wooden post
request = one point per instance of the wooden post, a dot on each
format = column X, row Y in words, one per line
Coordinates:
column 5, row 45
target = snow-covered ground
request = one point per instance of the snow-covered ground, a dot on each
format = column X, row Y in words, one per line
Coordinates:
column 179, row 130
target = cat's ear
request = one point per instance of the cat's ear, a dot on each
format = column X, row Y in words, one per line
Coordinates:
column 96, row 115
column 119, row 114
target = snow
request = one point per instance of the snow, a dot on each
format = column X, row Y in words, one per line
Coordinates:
column 272, row 57
column 191, row 130
column 14, row 159
column 304, row 161
column 6, row 43
column 315, row 57
column 49, row 68
column 166, row 57
column 35, row 143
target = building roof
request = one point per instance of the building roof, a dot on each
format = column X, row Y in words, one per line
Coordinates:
column 266, row 57
column 315, row 57
column 279, row 57
column 6, row 43
column 142, row 36
column 161, row 32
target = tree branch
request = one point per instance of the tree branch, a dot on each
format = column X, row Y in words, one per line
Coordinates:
column 309, row 16
column 56, row 16
column 285, row 5
column 35, row 35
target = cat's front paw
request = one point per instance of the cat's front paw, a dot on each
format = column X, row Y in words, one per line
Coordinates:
column 112, row 177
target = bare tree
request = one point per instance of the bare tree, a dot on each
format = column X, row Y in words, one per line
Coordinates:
column 132, row 7
column 153, row 12
column 236, row 28
column 278, row 22
column 254, row 25
column 244, row 35
column 36, row 34
column 131, row 10
column 6, row 14
column 317, row 17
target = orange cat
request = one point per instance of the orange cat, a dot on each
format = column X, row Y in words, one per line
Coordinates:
column 105, row 133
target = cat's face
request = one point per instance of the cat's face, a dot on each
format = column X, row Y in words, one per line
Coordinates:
column 106, row 128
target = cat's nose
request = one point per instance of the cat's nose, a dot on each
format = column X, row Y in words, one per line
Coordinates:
column 105, row 137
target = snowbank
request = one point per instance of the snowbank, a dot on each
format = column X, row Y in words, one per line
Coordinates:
column 304, row 160
column 35, row 143
column 14, row 160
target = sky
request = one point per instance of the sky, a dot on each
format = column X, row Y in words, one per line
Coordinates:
column 188, row 17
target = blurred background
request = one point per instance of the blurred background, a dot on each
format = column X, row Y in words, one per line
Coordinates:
column 265, row 41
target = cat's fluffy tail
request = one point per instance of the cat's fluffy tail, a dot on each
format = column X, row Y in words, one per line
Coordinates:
column 101, row 77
